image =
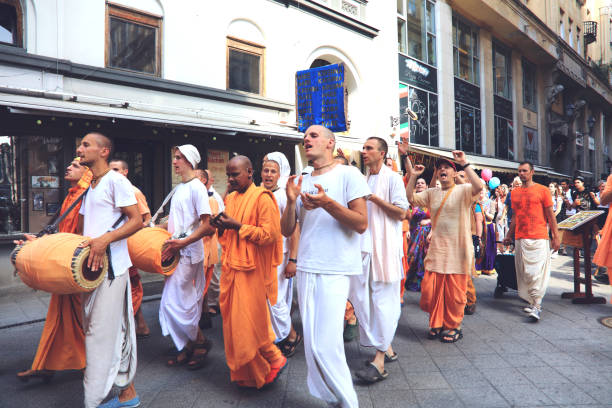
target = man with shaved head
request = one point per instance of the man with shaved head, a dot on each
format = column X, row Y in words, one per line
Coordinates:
column 249, row 231
column 110, row 336
column 331, row 205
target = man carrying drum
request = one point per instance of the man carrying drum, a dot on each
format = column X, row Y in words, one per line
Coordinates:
column 188, row 222
column 62, row 342
column 110, row 337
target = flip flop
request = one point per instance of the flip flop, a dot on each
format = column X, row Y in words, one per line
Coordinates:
column 288, row 348
column 197, row 359
column 370, row 374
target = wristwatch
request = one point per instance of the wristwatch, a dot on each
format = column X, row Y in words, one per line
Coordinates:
column 293, row 260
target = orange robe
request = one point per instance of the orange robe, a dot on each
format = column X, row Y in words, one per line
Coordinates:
column 62, row 342
column 135, row 283
column 603, row 254
column 250, row 258
column 443, row 296
column 211, row 254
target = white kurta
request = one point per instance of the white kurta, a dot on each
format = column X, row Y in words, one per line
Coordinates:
column 532, row 263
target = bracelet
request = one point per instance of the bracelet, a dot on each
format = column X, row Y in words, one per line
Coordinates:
column 293, row 260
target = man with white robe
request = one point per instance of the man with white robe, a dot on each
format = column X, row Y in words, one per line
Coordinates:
column 331, row 205
column 108, row 318
column 376, row 293
column 188, row 222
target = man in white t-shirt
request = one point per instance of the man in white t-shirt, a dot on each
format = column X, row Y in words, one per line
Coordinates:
column 110, row 335
column 188, row 222
column 376, row 293
column 331, row 206
column 274, row 174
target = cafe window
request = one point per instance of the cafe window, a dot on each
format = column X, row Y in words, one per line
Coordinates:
column 423, row 130
column 133, row 40
column 467, row 128
column 529, row 86
column 245, row 66
column 31, row 184
column 11, row 23
column 504, row 138
column 417, row 29
column 501, row 71
column 465, row 51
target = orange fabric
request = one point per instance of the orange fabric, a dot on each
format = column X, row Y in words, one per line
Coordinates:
column 603, row 254
column 208, row 274
column 349, row 312
column 47, row 264
column 145, row 248
column 405, row 247
column 471, row 292
column 443, row 296
column 528, row 204
column 137, row 291
column 62, row 342
column 211, row 255
column 141, row 202
column 250, row 258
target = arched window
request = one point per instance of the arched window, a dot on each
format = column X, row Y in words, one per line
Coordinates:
column 11, row 23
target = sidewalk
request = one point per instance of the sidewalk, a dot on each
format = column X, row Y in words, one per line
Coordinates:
column 503, row 361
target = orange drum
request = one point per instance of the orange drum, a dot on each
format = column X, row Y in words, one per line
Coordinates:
column 145, row 249
column 55, row 263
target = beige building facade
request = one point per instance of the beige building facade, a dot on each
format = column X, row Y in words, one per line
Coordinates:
column 513, row 81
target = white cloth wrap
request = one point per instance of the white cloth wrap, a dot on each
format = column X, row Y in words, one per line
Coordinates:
column 532, row 264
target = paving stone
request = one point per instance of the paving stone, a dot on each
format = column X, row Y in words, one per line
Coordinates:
column 456, row 362
column 567, row 394
column 485, row 397
column 543, row 376
column 426, row 381
column 523, row 395
column 507, row 375
column 438, row 399
column 465, row 378
column 397, row 398
column 482, row 361
column 601, row 392
column 524, row 360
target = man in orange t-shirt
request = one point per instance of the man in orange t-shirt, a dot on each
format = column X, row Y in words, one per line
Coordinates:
column 531, row 219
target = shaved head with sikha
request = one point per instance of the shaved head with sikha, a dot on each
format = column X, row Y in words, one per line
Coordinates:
column 239, row 173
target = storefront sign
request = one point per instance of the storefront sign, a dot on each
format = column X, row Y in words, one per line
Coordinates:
column 591, row 143
column 467, row 93
column 502, row 107
column 217, row 161
column 415, row 73
column 320, row 98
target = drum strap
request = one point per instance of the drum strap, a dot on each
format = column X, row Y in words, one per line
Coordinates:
column 51, row 228
column 161, row 208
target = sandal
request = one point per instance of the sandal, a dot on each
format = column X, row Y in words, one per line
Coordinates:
column 197, row 358
column 451, row 336
column 391, row 358
column 186, row 353
column 371, row 374
column 434, row 333
column 288, row 348
column 44, row 375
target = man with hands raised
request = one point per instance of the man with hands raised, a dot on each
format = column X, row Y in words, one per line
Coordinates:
column 450, row 256
column 331, row 206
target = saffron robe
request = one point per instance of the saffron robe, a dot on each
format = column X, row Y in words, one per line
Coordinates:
column 250, row 258
column 62, row 342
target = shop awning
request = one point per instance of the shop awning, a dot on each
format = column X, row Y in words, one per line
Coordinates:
column 33, row 105
column 481, row 162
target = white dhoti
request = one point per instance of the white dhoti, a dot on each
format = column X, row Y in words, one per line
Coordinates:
column 213, row 287
column 322, row 300
column 377, row 307
column 532, row 263
column 180, row 308
column 110, row 339
column 280, row 313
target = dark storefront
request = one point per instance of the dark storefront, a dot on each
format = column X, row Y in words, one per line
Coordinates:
column 35, row 149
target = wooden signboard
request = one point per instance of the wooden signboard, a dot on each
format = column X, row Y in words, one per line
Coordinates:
column 571, row 228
